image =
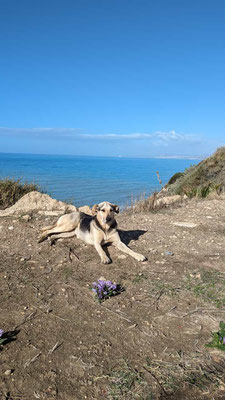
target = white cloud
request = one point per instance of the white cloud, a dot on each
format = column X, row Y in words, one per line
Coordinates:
column 156, row 138
column 41, row 132
column 162, row 137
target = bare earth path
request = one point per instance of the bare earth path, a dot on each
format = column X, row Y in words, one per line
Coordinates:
column 148, row 342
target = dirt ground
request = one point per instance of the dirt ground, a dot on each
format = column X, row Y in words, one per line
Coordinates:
column 146, row 343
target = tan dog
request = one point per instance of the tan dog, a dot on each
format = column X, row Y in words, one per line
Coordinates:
column 99, row 229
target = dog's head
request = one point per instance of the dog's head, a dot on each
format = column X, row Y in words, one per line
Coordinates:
column 105, row 212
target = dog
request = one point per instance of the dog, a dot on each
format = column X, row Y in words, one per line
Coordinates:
column 97, row 229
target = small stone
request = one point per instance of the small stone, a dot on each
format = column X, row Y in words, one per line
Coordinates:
column 9, row 371
column 169, row 253
column 11, row 228
column 102, row 278
column 26, row 218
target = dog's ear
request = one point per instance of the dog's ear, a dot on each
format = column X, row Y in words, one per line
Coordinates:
column 116, row 208
column 94, row 209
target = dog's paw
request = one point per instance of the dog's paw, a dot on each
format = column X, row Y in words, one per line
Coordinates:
column 140, row 257
column 106, row 260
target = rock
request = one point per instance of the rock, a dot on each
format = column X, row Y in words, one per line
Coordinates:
column 9, row 372
column 26, row 218
column 50, row 213
column 185, row 224
column 11, row 228
column 168, row 200
column 85, row 209
column 39, row 202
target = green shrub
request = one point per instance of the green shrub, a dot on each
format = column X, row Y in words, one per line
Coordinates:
column 202, row 179
column 174, row 178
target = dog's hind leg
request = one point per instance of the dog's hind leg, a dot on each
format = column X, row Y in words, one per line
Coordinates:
column 57, row 230
column 66, row 223
column 63, row 235
column 46, row 228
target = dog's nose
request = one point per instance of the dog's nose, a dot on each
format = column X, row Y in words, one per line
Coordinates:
column 108, row 218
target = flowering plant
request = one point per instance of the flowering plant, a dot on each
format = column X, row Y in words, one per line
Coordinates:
column 105, row 289
column 218, row 338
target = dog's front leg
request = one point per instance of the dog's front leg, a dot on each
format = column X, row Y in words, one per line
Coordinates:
column 121, row 246
column 103, row 256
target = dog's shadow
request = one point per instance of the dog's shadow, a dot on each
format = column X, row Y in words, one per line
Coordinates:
column 7, row 337
column 127, row 236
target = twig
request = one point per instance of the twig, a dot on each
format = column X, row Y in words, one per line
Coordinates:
column 79, row 359
column 117, row 313
column 202, row 310
column 26, row 319
column 191, row 312
column 57, row 345
column 171, row 309
column 72, row 252
column 158, row 297
column 52, row 314
column 156, row 379
column 27, row 363
column 96, row 378
column 45, row 272
column 66, row 284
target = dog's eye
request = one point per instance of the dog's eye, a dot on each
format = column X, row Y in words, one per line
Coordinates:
column 103, row 210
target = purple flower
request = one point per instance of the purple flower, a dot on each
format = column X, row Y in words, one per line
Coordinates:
column 1, row 332
column 105, row 289
column 224, row 340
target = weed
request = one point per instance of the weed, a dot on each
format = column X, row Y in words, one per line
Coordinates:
column 218, row 338
column 209, row 285
column 11, row 191
column 159, row 179
column 139, row 278
column 126, row 383
column 67, row 272
column 148, row 204
column 165, row 288
column 174, row 377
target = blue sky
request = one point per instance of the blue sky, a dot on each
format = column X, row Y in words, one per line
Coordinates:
column 112, row 77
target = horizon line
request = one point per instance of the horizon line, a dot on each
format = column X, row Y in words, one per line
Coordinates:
column 199, row 157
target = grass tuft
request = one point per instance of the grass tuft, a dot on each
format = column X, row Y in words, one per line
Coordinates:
column 12, row 190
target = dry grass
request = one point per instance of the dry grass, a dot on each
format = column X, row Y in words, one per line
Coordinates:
column 11, row 191
column 143, row 204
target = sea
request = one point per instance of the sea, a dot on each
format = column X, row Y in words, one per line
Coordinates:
column 84, row 180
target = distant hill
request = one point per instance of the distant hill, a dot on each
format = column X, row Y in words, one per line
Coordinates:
column 201, row 179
